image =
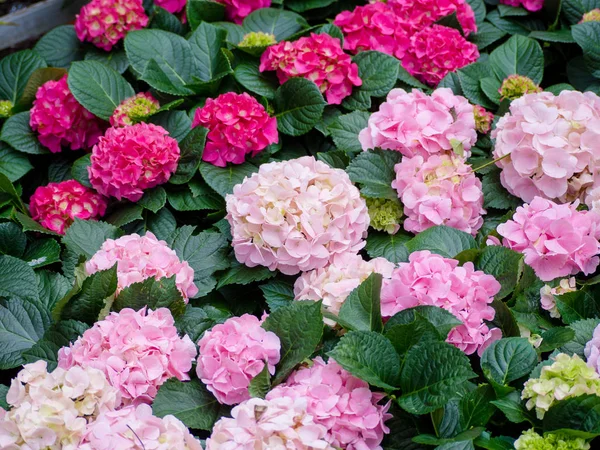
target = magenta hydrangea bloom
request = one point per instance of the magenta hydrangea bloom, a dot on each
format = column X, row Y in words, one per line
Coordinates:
column 137, row 351
column 319, row 58
column 419, row 14
column 134, row 109
column 126, row 161
column 295, row 216
column 549, row 145
column 440, row 190
column 60, row 120
column 237, row 126
column 557, row 240
column 483, row 119
column 430, row 279
column 436, row 51
column 56, row 205
column 529, row 5
column 592, row 350
column 340, row 402
column 140, row 257
column 237, row 10
column 106, row 22
column 415, row 123
column 234, row 352
column 173, row 6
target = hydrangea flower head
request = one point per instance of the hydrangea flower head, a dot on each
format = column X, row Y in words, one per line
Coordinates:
column 5, row 109
column 126, row 161
column 557, row 240
column 592, row 350
column 234, row 352
column 173, row 6
column 257, row 39
column 529, row 5
column 340, row 402
column 237, row 125
column 56, row 205
column 385, row 214
column 548, row 292
column 516, row 86
column 530, row 440
column 549, row 145
column 483, row 119
column 441, row 190
column 420, row 14
column 415, row 123
column 591, row 16
column 295, row 216
column 106, row 22
column 568, row 376
column 237, row 10
column 592, row 198
column 430, row 279
column 319, row 58
column 136, row 350
column 134, row 109
column 60, row 120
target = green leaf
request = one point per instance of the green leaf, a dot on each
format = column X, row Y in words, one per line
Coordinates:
column 206, row 44
column 37, row 78
column 260, row 384
column 362, row 309
column 15, row 71
column 443, row 240
column 116, row 59
column 486, row 35
column 198, row 11
column 338, row 159
column 475, row 407
column 223, row 179
column 17, row 133
column 345, row 128
column 177, row 123
column 125, row 215
column 79, row 170
column 153, row 199
column 478, row 7
column 305, row 5
column 17, row 280
column 404, row 336
column 162, row 224
column 508, row 359
column 42, row 252
column 60, row 47
column 12, row 240
column 513, row 408
column 389, row 246
column 377, row 71
column 298, row 105
column 283, row 24
column 451, row 21
column 85, row 237
column 30, row 225
column 511, row 11
column 581, row 413
column 407, row 78
column 8, row 194
column 277, row 293
column 519, row 55
column 192, row 147
column 494, row 194
column 154, row 294
column 299, row 327
column 584, row 330
column 504, row 264
column 442, row 320
column 581, row 304
column 13, row 164
column 469, row 78
column 368, row 356
column 374, row 171
column 197, row 196
column 587, row 35
column 358, row 101
column 250, row 77
column 564, row 36
column 556, row 337
column 98, row 88
column 51, row 287
column 242, row 274
column 195, row 321
column 505, row 24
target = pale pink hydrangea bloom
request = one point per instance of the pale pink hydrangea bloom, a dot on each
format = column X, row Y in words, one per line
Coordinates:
column 126, row 161
column 340, row 402
column 173, row 6
column 52, row 410
column 237, row 10
column 60, row 120
column 135, row 428
column 136, row 350
column 295, row 216
column 334, row 282
column 529, row 5
column 134, row 109
column 548, row 292
column 552, row 143
column 237, row 126
column 105, row 22
column 591, row 16
column 592, row 350
column 319, row 58
column 415, row 123
column 281, row 423
column 140, row 257
column 592, row 199
column 420, row 14
column 56, row 205
column 234, row 352
column 430, row 279
column 441, row 190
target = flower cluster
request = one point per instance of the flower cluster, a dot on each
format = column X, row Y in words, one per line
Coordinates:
column 237, row 126
column 136, row 350
column 318, row 58
column 483, row 119
column 547, row 294
column 419, row 14
column 340, row 402
column 568, row 376
column 173, row 6
column 429, row 279
column 385, row 214
column 442, row 190
column 237, row 10
column 257, row 39
column 592, row 350
column 415, row 123
column 6, row 107
column 56, row 205
column 105, row 22
column 336, row 281
column 548, row 145
column 530, row 440
column 516, row 86
column 140, row 257
column 529, row 5
column 592, row 199
column 134, row 109
column 60, row 120
column 591, row 16
column 295, row 216
column 233, row 353
column 557, row 240
column 128, row 160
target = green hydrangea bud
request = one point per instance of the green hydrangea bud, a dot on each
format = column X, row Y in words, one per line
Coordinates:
column 258, row 39
column 385, row 214
column 516, row 86
column 483, row 119
column 592, row 16
column 5, row 109
column 530, row 440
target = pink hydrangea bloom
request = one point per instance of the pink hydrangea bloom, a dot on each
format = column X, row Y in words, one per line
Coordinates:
column 591, row 16
column 295, row 216
column 441, row 190
column 318, row 58
column 233, row 353
column 340, row 402
column 237, row 10
column 128, row 160
column 549, row 145
column 135, row 428
column 106, row 22
column 56, row 205
column 134, row 109
column 137, row 351
column 238, row 125
column 60, row 120
column 436, row 51
column 557, row 240
column 430, row 279
column 529, row 5
column 281, row 423
column 592, row 350
column 415, row 123
column 592, row 198
column 419, row 14
column 173, row 6
column 483, row 119
column 140, row 257
column 334, row 282
column 547, row 294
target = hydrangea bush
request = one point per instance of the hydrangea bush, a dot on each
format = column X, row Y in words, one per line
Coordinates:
column 303, row 225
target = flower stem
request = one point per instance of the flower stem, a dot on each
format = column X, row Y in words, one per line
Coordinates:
column 490, row 163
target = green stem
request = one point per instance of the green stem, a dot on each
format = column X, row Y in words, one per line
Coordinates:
column 490, row 163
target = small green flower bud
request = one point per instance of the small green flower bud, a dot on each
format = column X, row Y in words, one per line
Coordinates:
column 385, row 214
column 516, row 86
column 258, row 39
column 5, row 109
